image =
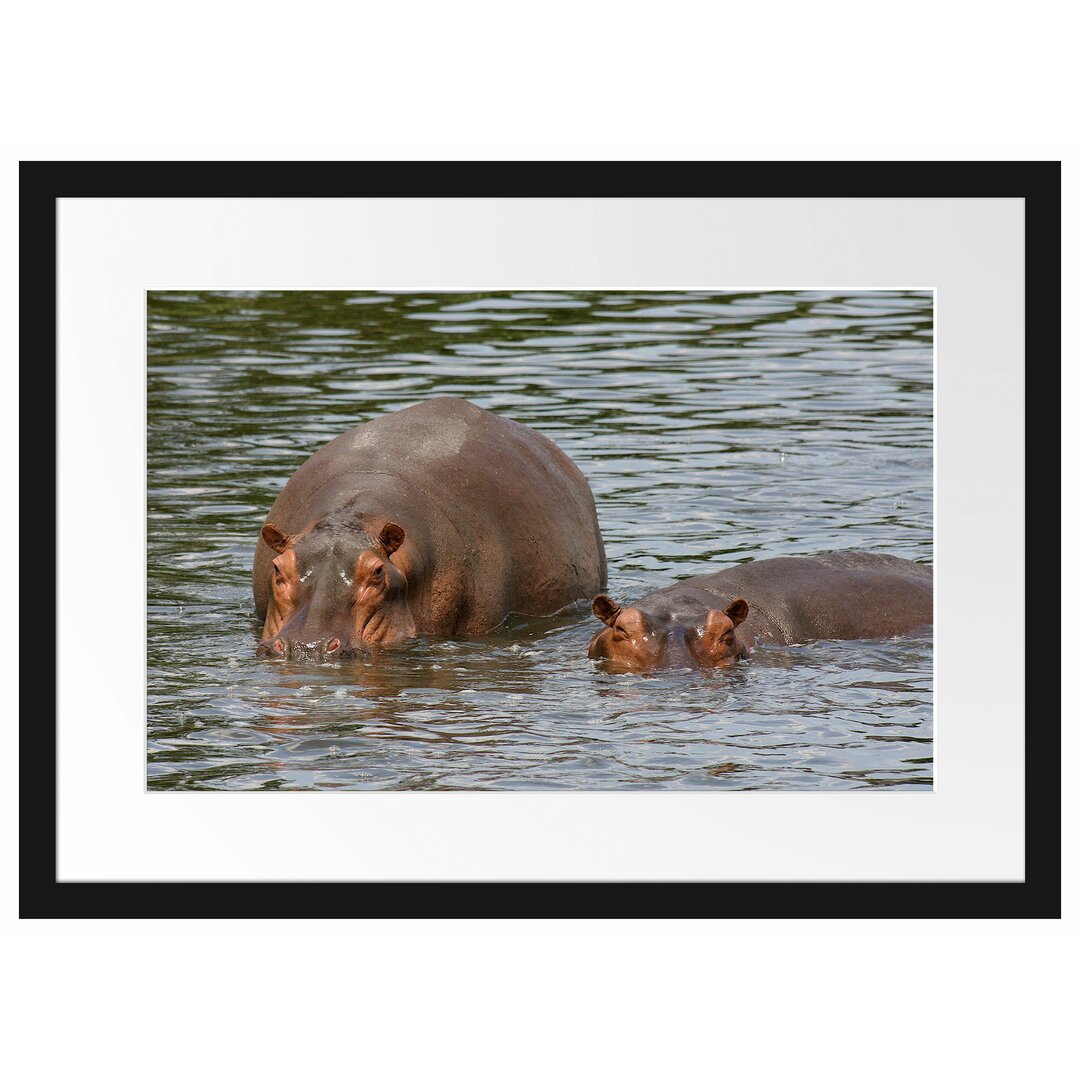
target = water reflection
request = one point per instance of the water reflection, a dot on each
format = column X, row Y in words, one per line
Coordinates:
column 713, row 428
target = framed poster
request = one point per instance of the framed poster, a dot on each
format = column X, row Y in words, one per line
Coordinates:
column 745, row 365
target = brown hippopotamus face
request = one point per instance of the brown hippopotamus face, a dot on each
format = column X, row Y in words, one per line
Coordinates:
column 637, row 640
column 334, row 593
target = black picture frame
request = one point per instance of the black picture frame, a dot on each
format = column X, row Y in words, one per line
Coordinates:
column 42, row 183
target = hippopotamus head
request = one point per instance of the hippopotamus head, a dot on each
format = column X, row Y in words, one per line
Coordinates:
column 638, row 640
column 334, row 592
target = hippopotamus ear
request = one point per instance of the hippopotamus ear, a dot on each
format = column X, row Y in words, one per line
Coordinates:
column 391, row 537
column 605, row 609
column 275, row 538
column 737, row 611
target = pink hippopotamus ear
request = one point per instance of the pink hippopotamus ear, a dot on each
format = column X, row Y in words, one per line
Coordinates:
column 737, row 611
column 391, row 537
column 275, row 538
column 605, row 609
column 717, row 621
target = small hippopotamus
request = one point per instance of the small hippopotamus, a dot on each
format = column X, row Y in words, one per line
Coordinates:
column 714, row 620
column 439, row 519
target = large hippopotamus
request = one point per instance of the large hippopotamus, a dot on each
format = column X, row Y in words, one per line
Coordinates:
column 440, row 519
column 714, row 620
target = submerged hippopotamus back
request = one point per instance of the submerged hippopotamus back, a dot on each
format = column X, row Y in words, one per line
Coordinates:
column 714, row 620
column 439, row 519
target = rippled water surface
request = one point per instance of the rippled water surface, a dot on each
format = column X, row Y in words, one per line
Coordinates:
column 713, row 427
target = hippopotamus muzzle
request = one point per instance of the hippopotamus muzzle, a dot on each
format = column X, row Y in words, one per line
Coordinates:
column 317, row 651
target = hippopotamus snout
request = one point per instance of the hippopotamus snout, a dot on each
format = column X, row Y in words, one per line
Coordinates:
column 318, row 650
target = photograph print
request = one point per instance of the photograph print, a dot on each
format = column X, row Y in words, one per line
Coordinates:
column 540, row 540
